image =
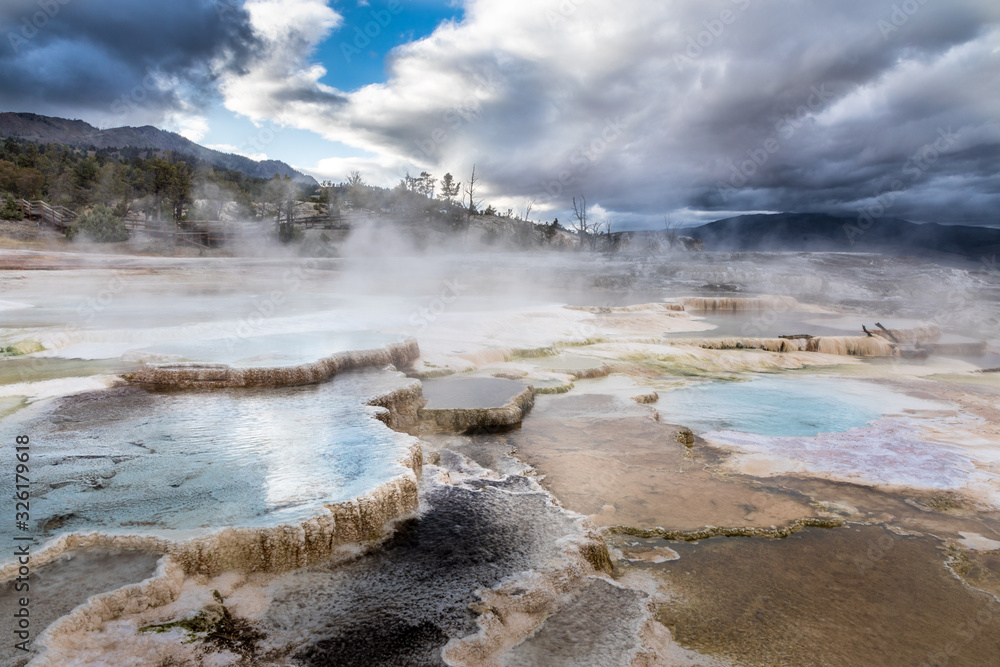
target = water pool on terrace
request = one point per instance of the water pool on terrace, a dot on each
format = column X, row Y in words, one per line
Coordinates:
column 277, row 350
column 129, row 460
column 783, row 405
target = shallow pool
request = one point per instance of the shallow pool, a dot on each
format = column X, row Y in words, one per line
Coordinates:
column 272, row 351
column 470, row 393
column 782, row 405
column 130, row 460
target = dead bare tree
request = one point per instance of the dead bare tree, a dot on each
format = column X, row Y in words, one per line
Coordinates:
column 470, row 190
column 527, row 209
column 602, row 230
column 580, row 213
column 671, row 231
column 584, row 228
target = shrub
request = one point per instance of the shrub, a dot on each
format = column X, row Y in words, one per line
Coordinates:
column 99, row 224
column 10, row 210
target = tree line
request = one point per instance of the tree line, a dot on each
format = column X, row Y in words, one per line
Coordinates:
column 162, row 185
column 157, row 185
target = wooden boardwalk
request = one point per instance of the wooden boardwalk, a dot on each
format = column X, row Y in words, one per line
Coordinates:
column 216, row 233
column 58, row 216
column 335, row 222
column 198, row 233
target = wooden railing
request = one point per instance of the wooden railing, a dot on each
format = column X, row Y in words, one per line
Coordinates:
column 200, row 233
column 59, row 216
column 325, row 221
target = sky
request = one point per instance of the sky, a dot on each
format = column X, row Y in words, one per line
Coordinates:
column 684, row 111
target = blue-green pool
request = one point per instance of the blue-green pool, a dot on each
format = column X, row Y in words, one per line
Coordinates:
column 781, row 405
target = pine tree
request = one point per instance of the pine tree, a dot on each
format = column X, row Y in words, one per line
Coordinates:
column 426, row 184
column 449, row 188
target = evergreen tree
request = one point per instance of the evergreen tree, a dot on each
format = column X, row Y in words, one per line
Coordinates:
column 449, row 188
column 426, row 184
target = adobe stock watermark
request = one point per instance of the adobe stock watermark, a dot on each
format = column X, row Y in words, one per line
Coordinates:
column 899, row 17
column 264, row 136
column 139, row 94
column 563, row 12
column 32, row 23
column 714, row 29
column 424, row 316
column 583, row 158
column 363, row 36
column 87, row 310
column 875, row 553
column 784, row 128
column 468, row 110
column 916, row 166
column 966, row 633
column 265, row 306
column 956, row 301
column 764, row 320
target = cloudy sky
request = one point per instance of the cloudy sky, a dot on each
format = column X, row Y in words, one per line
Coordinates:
column 696, row 109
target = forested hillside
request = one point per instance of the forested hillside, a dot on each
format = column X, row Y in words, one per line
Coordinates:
column 128, row 180
column 78, row 134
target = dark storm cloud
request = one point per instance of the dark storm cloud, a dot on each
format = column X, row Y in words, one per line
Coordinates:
column 77, row 57
column 644, row 107
column 776, row 132
column 719, row 106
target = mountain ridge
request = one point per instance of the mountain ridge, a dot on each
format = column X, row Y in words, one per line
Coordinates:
column 821, row 232
column 41, row 129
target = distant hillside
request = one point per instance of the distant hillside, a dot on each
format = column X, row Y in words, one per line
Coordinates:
column 47, row 129
column 821, row 232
